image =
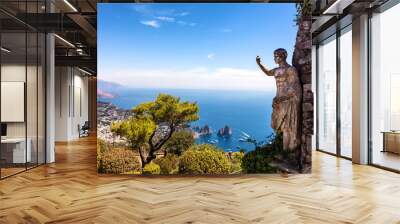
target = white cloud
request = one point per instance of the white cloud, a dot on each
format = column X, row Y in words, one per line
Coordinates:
column 151, row 23
column 236, row 72
column 166, row 18
column 226, row 30
column 150, row 11
column 160, row 19
column 211, row 56
column 195, row 78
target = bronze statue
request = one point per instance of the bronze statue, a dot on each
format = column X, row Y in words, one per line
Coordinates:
column 286, row 105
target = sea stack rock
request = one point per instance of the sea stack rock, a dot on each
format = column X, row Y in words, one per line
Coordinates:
column 196, row 129
column 201, row 131
column 206, row 130
column 225, row 132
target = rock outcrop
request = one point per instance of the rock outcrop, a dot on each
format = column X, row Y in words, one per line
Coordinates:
column 201, row 131
column 225, row 132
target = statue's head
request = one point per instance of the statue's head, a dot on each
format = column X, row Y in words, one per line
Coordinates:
column 280, row 55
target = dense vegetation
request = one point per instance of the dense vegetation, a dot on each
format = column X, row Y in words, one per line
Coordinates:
column 204, row 159
column 265, row 157
column 151, row 168
column 179, row 142
column 118, row 161
column 168, row 164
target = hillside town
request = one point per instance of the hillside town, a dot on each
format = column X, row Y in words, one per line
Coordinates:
column 106, row 114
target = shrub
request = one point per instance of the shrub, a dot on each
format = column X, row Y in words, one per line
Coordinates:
column 179, row 142
column 236, row 160
column 261, row 159
column 168, row 164
column 98, row 157
column 257, row 161
column 151, row 168
column 101, row 146
column 204, row 159
column 118, row 161
column 99, row 162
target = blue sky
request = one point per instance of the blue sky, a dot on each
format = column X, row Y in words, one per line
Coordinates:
column 200, row 46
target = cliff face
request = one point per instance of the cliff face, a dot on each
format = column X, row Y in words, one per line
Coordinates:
column 104, row 94
column 108, row 90
column 302, row 61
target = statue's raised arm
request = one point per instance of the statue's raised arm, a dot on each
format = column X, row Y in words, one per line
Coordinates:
column 263, row 68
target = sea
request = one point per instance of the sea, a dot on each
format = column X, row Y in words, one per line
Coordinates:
column 247, row 113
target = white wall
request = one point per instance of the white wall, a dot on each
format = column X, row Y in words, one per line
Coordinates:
column 71, row 102
column 80, row 110
column 12, row 73
column 62, row 81
column 17, row 73
column 33, row 126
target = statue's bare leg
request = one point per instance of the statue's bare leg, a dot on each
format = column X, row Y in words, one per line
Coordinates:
column 289, row 140
column 286, row 140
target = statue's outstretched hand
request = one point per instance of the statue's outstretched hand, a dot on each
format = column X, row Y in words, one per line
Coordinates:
column 258, row 59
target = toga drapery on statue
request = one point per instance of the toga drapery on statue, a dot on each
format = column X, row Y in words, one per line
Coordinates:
column 287, row 102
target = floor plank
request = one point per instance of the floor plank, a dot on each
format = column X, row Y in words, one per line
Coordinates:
column 71, row 191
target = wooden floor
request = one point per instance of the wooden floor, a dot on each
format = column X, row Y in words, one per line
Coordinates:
column 387, row 159
column 70, row 191
column 5, row 172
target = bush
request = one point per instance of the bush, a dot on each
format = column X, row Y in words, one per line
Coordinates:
column 236, row 160
column 118, row 161
column 204, row 159
column 257, row 161
column 169, row 164
column 151, row 168
column 179, row 142
column 101, row 146
column 98, row 157
column 261, row 159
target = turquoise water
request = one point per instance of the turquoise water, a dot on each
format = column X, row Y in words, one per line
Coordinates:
column 246, row 112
